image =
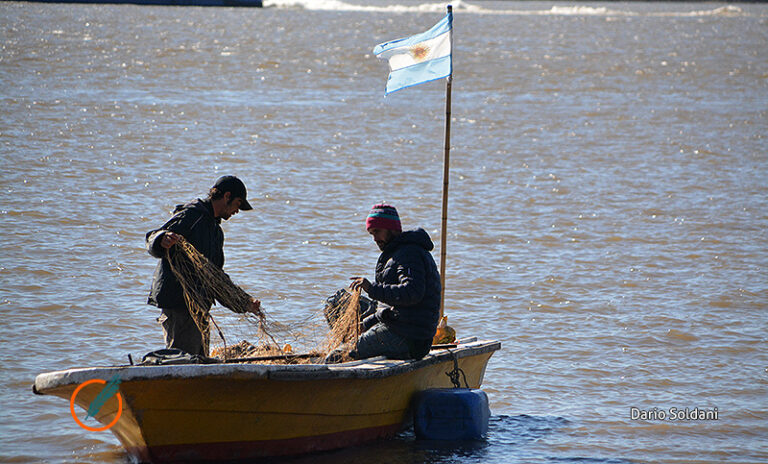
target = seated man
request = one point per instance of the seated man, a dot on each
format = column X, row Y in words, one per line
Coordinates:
column 407, row 283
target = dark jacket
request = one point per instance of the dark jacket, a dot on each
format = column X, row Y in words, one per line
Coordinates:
column 407, row 280
column 196, row 223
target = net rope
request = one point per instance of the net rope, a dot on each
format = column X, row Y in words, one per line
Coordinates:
column 203, row 282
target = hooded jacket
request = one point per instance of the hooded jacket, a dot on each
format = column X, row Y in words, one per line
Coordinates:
column 194, row 221
column 407, row 280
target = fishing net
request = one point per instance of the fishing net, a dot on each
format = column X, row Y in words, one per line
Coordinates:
column 343, row 315
column 262, row 339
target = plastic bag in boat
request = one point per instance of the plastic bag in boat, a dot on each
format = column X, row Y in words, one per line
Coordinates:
column 171, row 356
column 337, row 301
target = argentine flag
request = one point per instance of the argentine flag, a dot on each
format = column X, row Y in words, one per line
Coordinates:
column 420, row 58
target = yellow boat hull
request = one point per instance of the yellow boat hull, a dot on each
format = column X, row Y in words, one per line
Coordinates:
column 235, row 411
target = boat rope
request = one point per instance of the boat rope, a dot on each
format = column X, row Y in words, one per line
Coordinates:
column 454, row 374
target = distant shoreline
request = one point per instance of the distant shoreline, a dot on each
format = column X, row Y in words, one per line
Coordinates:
column 229, row 3
column 259, row 3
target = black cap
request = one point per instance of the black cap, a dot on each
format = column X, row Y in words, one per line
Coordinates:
column 236, row 187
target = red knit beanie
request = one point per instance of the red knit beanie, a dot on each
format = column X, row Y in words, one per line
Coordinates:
column 383, row 216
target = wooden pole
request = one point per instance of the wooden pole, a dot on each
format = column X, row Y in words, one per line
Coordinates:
column 446, row 168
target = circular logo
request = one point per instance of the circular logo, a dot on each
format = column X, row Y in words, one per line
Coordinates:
column 72, row 406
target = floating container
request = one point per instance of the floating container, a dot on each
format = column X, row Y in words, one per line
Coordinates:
column 451, row 414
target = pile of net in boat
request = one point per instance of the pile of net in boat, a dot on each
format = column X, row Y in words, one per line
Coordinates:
column 342, row 312
column 203, row 282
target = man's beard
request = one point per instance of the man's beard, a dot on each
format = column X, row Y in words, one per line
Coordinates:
column 383, row 244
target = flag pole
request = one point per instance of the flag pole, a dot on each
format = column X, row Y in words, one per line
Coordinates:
column 446, row 167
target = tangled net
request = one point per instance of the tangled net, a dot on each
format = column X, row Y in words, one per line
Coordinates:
column 344, row 318
column 203, row 282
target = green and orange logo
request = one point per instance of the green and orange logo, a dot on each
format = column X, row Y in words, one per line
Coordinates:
column 110, row 389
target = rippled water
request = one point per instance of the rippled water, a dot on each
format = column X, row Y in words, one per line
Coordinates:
column 608, row 203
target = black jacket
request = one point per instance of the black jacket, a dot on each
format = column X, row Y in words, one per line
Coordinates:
column 407, row 280
column 196, row 223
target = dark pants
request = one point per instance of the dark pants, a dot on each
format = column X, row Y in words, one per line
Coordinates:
column 379, row 340
column 181, row 332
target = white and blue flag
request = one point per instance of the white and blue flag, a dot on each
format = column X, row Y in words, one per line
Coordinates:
column 420, row 58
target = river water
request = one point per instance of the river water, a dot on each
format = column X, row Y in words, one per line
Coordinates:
column 608, row 213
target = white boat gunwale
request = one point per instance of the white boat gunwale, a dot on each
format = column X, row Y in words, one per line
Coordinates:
column 372, row 368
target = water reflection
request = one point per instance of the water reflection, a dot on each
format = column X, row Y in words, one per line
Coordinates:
column 510, row 439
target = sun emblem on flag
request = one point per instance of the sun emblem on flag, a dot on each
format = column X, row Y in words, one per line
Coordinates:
column 419, row 52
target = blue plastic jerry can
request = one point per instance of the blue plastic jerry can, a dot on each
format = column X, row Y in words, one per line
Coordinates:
column 451, row 414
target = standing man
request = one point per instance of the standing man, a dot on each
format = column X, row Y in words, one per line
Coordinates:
column 199, row 223
column 407, row 282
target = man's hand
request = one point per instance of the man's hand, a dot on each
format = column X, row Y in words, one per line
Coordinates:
column 255, row 307
column 169, row 239
column 360, row 282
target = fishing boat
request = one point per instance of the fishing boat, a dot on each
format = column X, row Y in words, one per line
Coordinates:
column 228, row 411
